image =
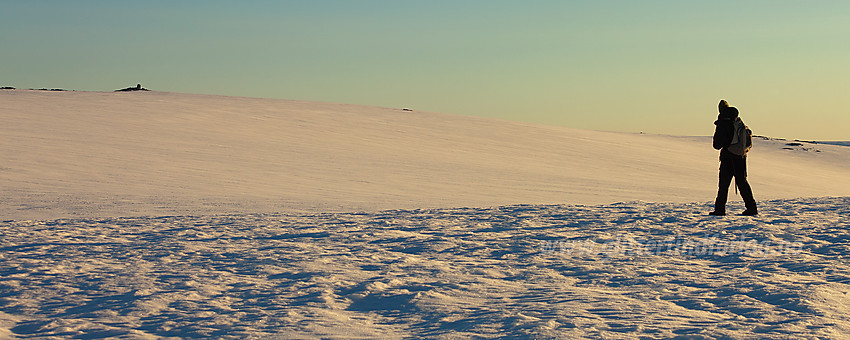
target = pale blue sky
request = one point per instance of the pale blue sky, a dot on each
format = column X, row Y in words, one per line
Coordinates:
column 653, row 66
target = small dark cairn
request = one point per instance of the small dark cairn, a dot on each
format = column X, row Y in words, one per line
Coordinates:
column 138, row 87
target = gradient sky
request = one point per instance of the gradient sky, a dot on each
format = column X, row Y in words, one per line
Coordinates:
column 652, row 66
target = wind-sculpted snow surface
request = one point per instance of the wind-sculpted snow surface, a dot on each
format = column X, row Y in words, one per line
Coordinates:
column 624, row 270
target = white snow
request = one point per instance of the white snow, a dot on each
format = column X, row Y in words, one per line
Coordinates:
column 85, row 154
column 151, row 215
column 528, row 271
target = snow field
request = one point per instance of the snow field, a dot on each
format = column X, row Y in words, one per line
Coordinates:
column 435, row 273
column 87, row 154
column 156, row 215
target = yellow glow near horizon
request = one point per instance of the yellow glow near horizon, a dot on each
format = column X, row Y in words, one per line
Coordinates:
column 657, row 66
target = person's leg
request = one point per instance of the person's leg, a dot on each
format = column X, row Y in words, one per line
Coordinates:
column 726, row 174
column 744, row 185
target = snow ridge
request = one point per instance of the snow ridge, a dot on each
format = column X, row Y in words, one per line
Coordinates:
column 621, row 270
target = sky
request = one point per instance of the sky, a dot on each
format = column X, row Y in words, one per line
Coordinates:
column 636, row 66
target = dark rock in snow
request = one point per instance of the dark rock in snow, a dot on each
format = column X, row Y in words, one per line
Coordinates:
column 138, row 87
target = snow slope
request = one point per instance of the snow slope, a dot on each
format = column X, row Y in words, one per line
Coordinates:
column 617, row 271
column 154, row 215
column 85, row 154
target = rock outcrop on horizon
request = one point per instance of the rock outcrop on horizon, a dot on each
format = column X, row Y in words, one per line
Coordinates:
column 138, row 87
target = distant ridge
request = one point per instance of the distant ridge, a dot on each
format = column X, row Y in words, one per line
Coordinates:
column 845, row 143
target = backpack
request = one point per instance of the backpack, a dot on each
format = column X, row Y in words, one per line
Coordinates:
column 742, row 138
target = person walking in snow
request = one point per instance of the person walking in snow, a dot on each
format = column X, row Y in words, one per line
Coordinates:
column 734, row 140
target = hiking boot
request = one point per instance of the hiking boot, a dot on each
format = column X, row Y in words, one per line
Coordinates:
column 750, row 212
column 717, row 213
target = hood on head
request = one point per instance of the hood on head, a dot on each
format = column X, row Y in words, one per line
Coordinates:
column 726, row 111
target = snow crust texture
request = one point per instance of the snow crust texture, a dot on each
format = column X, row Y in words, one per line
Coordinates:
column 616, row 271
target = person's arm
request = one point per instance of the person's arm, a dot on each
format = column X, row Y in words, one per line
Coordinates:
column 722, row 134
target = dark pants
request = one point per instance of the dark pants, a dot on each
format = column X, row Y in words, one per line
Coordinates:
column 733, row 166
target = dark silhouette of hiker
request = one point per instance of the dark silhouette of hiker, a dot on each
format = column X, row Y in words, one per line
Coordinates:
column 729, row 135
